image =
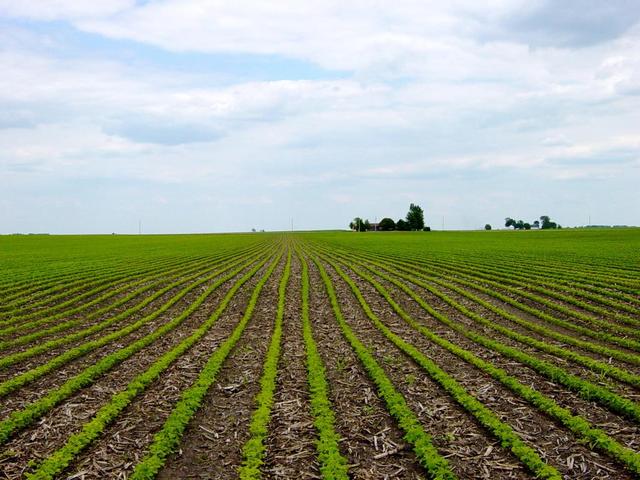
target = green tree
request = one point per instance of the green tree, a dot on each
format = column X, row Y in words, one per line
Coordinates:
column 487, row 227
column 356, row 224
column 546, row 223
column 402, row 225
column 509, row 222
column 415, row 217
column 519, row 225
column 366, row 226
column 527, row 226
column 387, row 224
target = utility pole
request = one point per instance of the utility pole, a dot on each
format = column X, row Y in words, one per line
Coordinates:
column 292, row 224
column 140, row 227
column 443, row 222
column 589, row 220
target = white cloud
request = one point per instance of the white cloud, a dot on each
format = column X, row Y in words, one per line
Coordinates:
column 427, row 92
column 63, row 9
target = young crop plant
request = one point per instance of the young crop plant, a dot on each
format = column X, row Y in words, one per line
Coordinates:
column 333, row 465
column 607, row 351
column 185, row 274
column 168, row 438
column 217, row 268
column 19, row 380
column 518, row 287
column 584, row 388
column 578, row 425
column 186, row 407
column 507, row 436
column 31, row 412
column 428, row 456
column 253, row 451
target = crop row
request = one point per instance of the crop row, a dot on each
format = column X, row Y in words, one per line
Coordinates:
column 588, row 390
column 416, row 276
column 84, row 289
column 557, row 292
column 460, row 278
column 151, row 282
column 477, row 305
column 74, row 300
column 148, row 283
column 197, row 279
column 61, row 458
column 576, row 424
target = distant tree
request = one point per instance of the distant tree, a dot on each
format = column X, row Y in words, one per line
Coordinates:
column 356, row 224
column 536, row 224
column 519, row 225
column 402, row 225
column 366, row 226
column 546, row 223
column 527, row 226
column 387, row 224
column 487, row 227
column 509, row 222
column 415, row 217
column 426, row 229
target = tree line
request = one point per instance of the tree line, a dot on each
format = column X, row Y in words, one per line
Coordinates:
column 544, row 223
column 414, row 221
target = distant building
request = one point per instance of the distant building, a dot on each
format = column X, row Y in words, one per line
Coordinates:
column 374, row 227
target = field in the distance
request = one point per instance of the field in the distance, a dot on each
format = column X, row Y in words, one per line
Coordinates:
column 321, row 355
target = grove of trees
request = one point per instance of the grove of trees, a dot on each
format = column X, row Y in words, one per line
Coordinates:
column 413, row 221
column 544, row 223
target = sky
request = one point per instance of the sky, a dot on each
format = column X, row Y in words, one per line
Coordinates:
column 219, row 115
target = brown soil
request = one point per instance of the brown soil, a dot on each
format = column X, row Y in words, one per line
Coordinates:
column 371, row 441
column 54, row 428
column 35, row 389
column 36, row 312
column 624, row 430
column 576, row 369
column 471, row 452
column 557, row 445
column 370, row 438
column 157, row 285
column 211, row 447
column 290, row 446
column 531, row 318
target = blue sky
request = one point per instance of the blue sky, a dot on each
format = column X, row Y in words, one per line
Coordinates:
column 212, row 116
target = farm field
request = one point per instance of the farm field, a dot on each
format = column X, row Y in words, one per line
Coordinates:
column 493, row 355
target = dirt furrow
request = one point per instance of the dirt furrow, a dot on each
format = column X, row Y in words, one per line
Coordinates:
column 576, row 369
column 36, row 389
column 372, row 442
column 555, row 444
column 151, row 306
column 290, row 445
column 38, row 386
column 83, row 314
column 471, row 452
column 620, row 428
column 211, row 447
column 54, row 428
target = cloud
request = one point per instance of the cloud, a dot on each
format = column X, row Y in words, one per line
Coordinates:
column 441, row 102
column 63, row 9
column 572, row 23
